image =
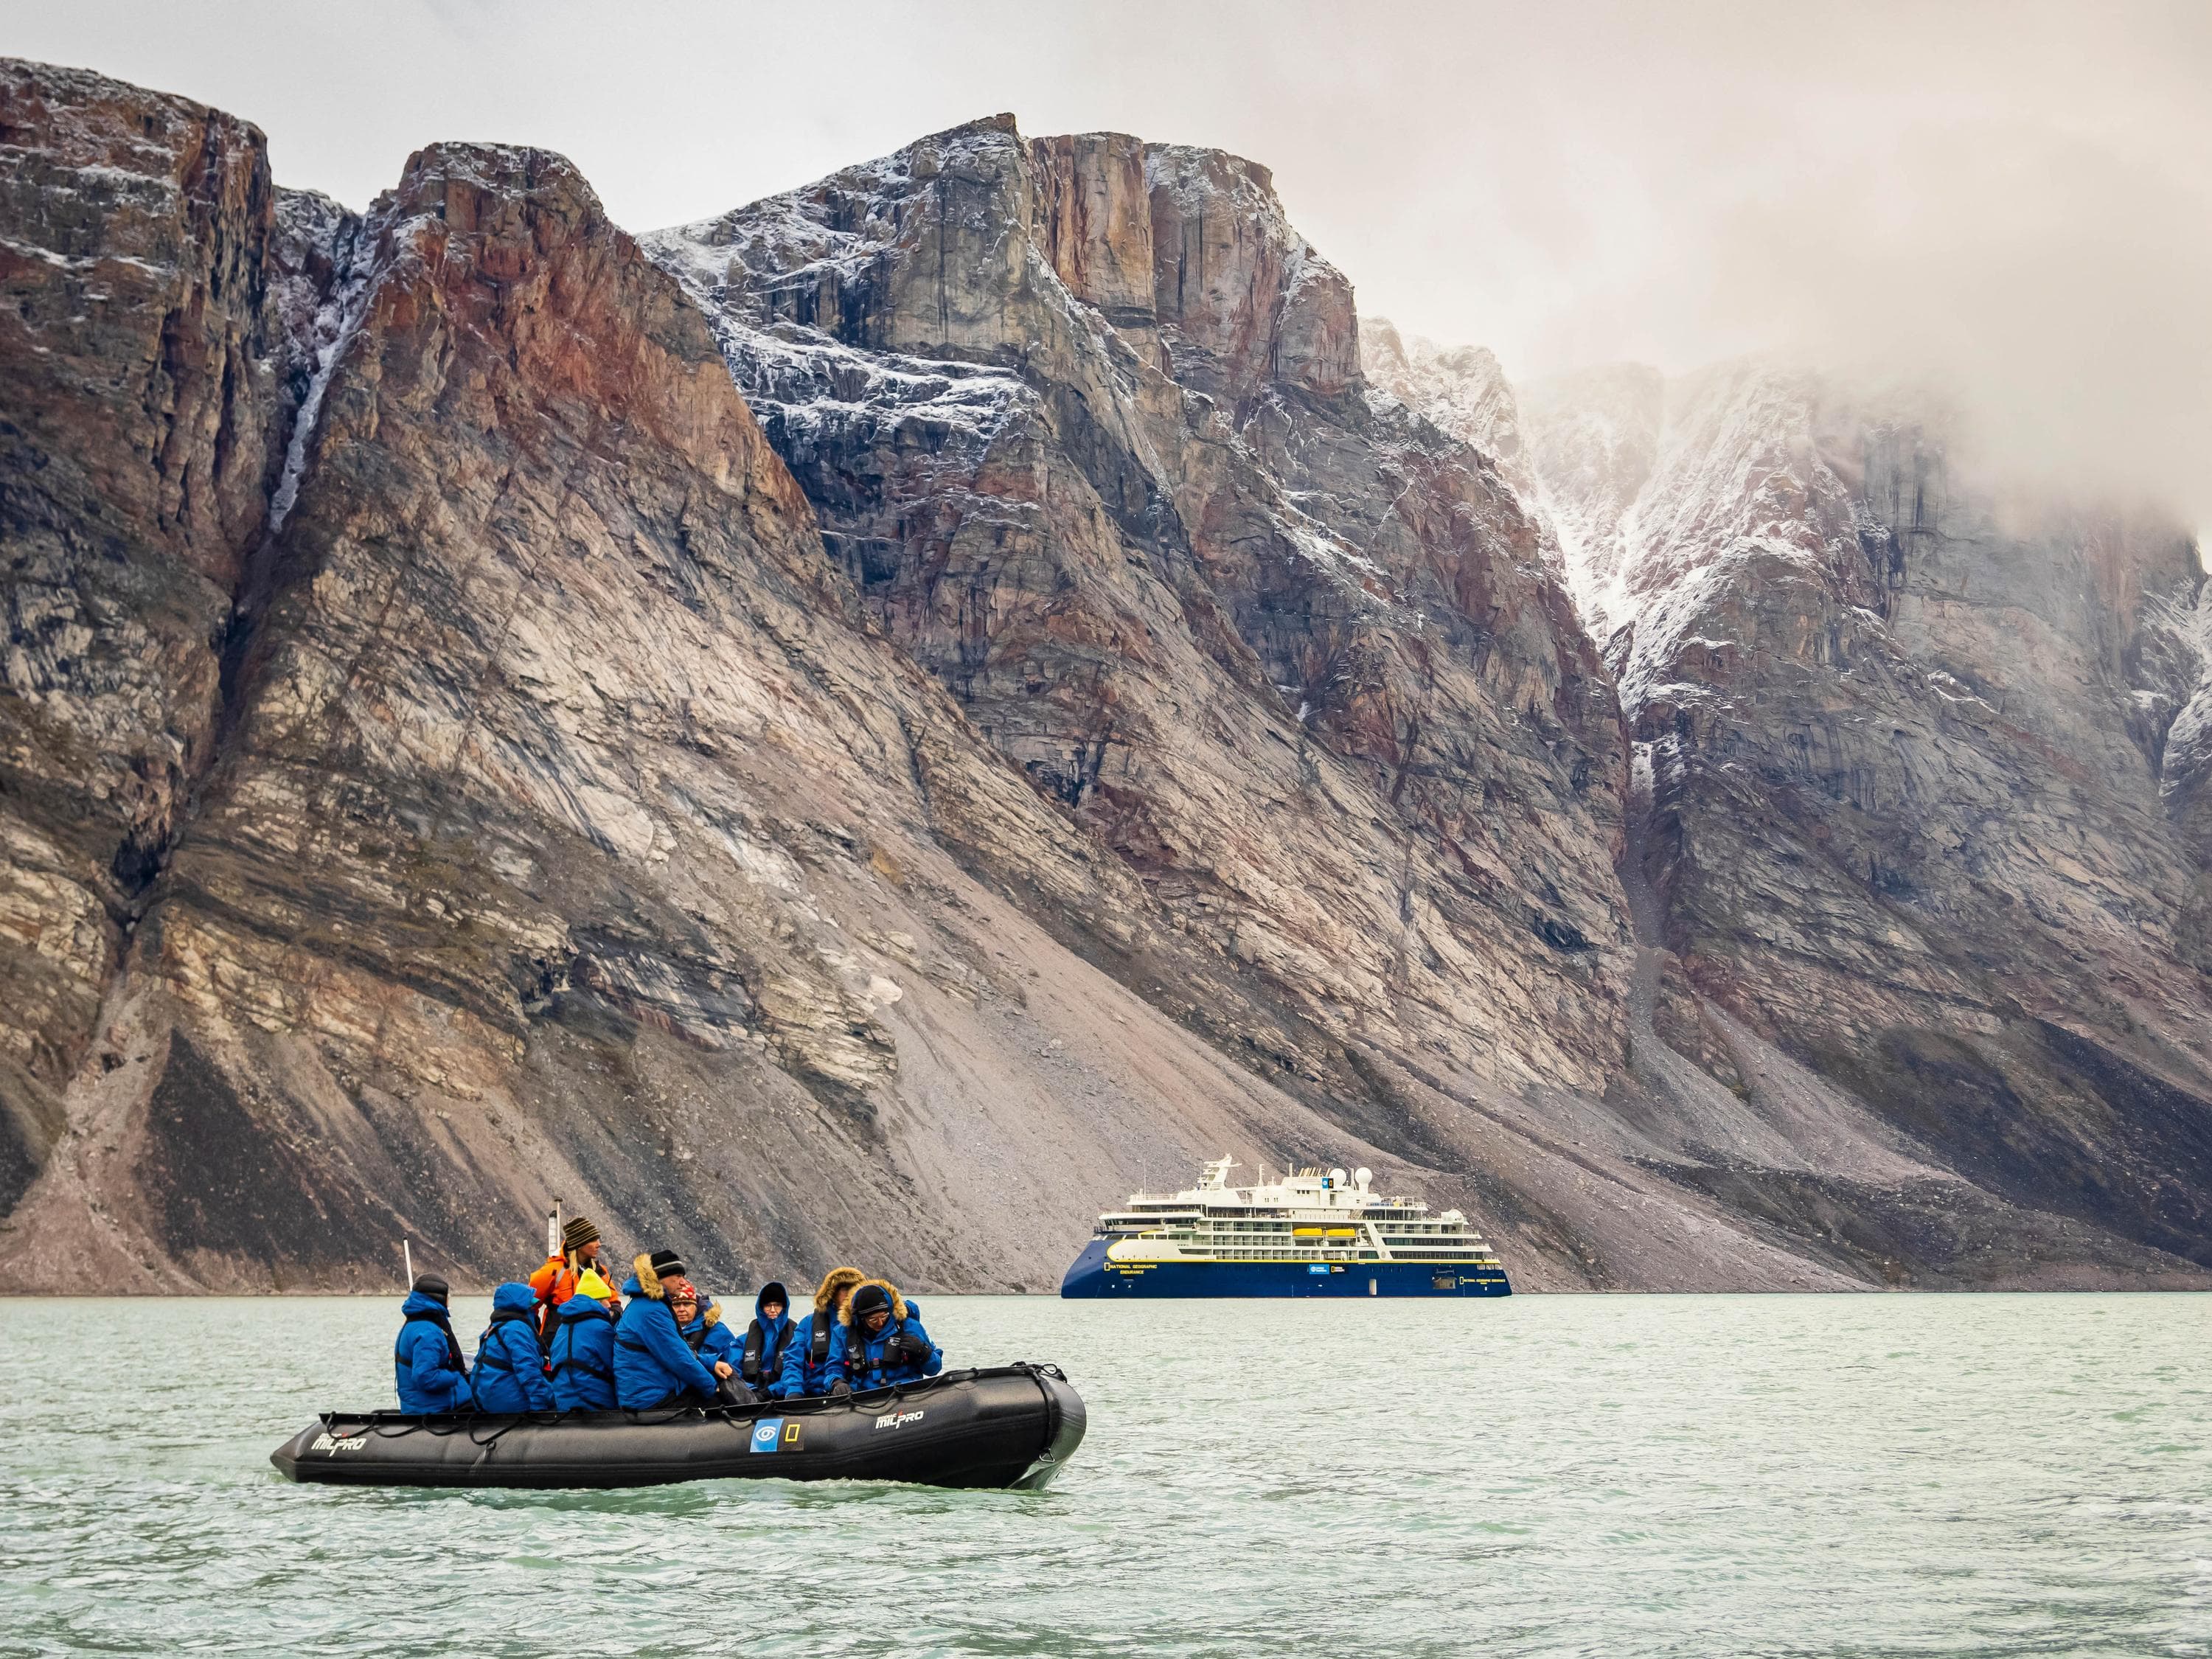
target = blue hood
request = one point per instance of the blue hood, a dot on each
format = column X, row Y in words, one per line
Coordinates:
column 583, row 1307
column 760, row 1304
column 514, row 1296
column 632, row 1289
column 417, row 1302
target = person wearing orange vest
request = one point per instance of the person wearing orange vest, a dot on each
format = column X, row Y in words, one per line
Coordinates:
column 556, row 1282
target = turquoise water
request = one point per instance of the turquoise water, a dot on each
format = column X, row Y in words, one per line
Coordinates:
column 1584, row 1475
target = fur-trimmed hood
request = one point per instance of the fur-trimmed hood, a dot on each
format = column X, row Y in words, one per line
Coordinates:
column 712, row 1316
column 898, row 1302
column 646, row 1280
column 834, row 1284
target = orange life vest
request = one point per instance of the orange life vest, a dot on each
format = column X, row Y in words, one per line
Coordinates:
column 552, row 1284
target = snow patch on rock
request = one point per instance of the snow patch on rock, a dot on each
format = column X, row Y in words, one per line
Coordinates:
column 319, row 295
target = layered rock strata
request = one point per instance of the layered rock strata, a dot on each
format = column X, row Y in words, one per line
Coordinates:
column 1083, row 419
column 560, row 823
column 137, row 448
column 567, row 836
column 868, row 725
column 1921, row 779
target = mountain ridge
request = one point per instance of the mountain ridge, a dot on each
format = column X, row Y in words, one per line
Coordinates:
column 867, row 721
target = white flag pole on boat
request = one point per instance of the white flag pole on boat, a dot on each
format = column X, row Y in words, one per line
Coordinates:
column 407, row 1255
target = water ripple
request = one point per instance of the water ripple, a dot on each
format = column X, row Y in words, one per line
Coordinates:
column 1611, row 1476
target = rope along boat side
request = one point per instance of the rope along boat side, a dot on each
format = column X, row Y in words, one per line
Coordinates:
column 1006, row 1426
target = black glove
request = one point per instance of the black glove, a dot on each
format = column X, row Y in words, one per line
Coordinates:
column 840, row 1387
column 907, row 1346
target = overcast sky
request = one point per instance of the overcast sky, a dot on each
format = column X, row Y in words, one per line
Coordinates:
column 2013, row 200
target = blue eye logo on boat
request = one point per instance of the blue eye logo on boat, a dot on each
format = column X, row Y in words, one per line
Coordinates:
column 766, row 1433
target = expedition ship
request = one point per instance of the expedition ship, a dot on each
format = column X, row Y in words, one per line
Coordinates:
column 1315, row 1233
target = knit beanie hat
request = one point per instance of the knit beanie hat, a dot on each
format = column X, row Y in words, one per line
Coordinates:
column 679, row 1290
column 592, row 1286
column 773, row 1291
column 577, row 1233
column 668, row 1265
column 870, row 1297
column 432, row 1285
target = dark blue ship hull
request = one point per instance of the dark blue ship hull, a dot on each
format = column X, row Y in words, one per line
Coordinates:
column 1092, row 1275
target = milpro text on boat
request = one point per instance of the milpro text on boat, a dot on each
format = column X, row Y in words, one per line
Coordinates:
column 1314, row 1233
column 1006, row 1426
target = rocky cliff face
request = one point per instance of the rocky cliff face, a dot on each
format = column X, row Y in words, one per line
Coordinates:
column 551, row 815
column 1269, row 641
column 1463, row 389
column 1922, row 784
column 564, row 833
column 137, row 448
column 813, row 298
column 1079, row 419
column 867, row 725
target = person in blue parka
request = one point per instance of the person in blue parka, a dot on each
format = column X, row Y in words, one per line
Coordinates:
column 653, row 1364
column 509, row 1375
column 880, row 1341
column 807, row 1355
column 432, row 1375
column 760, row 1347
column 700, row 1318
column 582, row 1357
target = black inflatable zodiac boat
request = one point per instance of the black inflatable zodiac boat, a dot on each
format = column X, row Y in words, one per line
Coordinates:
column 1009, row 1426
